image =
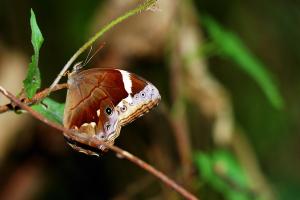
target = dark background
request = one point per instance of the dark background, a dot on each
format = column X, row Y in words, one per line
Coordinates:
column 36, row 163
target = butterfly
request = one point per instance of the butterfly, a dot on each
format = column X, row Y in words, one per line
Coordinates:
column 101, row 100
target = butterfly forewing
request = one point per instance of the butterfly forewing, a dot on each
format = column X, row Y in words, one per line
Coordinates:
column 142, row 97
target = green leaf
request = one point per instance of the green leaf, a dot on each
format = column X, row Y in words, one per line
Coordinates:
column 222, row 172
column 232, row 47
column 51, row 109
column 32, row 81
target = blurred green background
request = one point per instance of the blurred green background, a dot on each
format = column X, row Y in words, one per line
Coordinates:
column 233, row 62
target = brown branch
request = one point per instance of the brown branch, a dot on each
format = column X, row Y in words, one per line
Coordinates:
column 93, row 142
column 41, row 95
column 37, row 98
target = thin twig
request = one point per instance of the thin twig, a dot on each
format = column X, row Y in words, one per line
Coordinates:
column 37, row 97
column 93, row 142
column 146, row 5
column 44, row 93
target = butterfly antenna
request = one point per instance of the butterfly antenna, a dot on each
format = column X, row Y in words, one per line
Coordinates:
column 87, row 59
column 98, row 49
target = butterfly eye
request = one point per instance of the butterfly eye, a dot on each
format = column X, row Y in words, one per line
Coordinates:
column 136, row 97
column 124, row 108
column 108, row 111
column 102, row 136
column 143, row 94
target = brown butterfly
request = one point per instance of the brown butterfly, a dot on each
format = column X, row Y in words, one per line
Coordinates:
column 100, row 101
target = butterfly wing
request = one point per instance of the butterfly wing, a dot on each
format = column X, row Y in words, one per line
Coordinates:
column 142, row 96
column 99, row 101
